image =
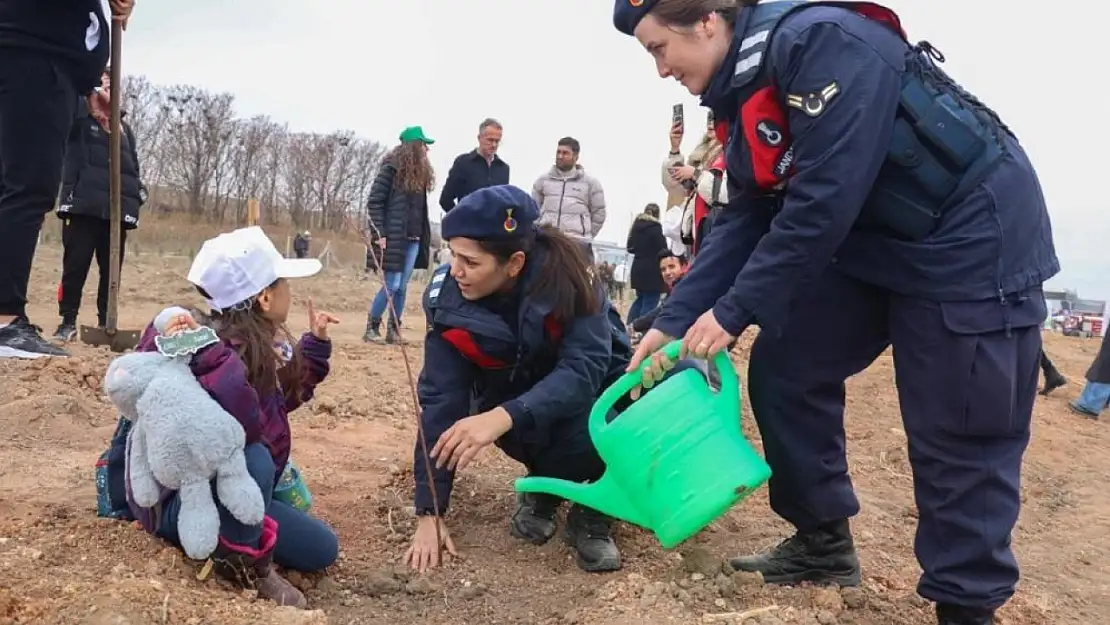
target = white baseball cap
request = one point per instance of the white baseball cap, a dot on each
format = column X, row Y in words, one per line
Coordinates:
column 236, row 266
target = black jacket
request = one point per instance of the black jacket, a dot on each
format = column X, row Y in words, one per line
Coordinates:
column 645, row 242
column 58, row 28
column 471, row 172
column 390, row 209
column 85, row 174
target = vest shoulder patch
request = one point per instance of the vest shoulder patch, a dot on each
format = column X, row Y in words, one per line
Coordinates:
column 752, row 54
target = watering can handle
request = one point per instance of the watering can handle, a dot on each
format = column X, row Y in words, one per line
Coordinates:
column 600, row 412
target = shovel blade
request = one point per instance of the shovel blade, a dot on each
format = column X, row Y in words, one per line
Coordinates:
column 116, row 340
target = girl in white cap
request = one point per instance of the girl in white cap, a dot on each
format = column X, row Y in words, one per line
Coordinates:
column 258, row 376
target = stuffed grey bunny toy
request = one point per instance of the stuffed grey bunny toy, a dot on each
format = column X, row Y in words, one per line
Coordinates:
column 182, row 439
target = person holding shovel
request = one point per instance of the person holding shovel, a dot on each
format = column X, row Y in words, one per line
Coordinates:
column 875, row 203
column 517, row 322
column 84, row 208
column 50, row 54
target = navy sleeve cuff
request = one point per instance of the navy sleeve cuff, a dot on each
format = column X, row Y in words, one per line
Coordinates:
column 734, row 320
column 521, row 415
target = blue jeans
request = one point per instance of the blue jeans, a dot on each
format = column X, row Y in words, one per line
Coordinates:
column 1094, row 398
column 304, row 543
column 643, row 304
column 396, row 281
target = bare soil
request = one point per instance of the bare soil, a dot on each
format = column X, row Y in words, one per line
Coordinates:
column 61, row 564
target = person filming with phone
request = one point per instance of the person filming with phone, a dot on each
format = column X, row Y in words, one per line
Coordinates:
column 699, row 177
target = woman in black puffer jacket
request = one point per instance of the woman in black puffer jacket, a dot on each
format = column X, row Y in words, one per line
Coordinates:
column 83, row 207
column 401, row 232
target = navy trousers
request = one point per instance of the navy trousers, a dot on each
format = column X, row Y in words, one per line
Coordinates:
column 966, row 374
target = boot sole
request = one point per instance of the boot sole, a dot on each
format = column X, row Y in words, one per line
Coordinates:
column 812, row 576
column 537, row 541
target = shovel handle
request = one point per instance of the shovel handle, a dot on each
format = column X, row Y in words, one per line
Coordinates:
column 115, row 204
column 600, row 412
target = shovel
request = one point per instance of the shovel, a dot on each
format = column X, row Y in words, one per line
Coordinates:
column 111, row 336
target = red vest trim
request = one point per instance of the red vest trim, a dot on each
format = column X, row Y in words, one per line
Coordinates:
column 463, row 341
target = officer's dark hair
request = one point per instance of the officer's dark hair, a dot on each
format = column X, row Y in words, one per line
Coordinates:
column 566, row 277
column 572, row 143
column 686, row 13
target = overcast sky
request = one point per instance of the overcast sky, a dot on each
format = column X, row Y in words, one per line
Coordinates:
column 548, row 69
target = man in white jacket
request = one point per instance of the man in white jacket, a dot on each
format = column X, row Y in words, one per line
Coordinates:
column 569, row 198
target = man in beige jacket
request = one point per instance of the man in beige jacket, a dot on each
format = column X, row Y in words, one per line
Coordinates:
column 569, row 198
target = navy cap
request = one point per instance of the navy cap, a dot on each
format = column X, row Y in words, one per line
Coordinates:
column 499, row 212
column 628, row 13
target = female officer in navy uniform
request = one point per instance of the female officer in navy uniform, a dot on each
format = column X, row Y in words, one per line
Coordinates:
column 874, row 202
column 521, row 341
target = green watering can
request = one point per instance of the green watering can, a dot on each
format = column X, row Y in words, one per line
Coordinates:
column 676, row 458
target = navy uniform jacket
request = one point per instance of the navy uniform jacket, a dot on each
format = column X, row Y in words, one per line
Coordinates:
column 548, row 384
column 994, row 242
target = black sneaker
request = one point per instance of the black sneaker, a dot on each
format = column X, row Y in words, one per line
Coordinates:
column 534, row 519
column 959, row 615
column 591, row 534
column 66, row 332
column 20, row 339
column 826, row 556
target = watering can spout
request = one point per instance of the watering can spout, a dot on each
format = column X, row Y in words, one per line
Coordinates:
column 603, row 495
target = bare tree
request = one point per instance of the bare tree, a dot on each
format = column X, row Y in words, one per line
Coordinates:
column 198, row 157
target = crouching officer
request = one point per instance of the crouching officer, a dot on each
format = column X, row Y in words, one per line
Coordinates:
column 521, row 341
column 875, row 202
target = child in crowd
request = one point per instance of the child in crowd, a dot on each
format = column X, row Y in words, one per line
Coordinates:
column 258, row 376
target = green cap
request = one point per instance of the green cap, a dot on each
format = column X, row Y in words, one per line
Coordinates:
column 415, row 133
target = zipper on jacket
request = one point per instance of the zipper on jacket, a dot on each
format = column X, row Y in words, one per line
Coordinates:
column 559, row 212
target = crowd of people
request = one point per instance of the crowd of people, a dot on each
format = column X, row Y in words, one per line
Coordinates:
column 818, row 206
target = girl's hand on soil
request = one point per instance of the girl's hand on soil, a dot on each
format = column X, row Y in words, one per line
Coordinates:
column 318, row 322
column 462, row 441
column 424, row 553
column 179, row 324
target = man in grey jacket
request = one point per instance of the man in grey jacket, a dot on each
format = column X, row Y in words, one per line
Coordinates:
column 569, row 198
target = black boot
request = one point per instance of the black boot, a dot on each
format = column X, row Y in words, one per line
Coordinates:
column 591, row 534
column 534, row 519
column 959, row 615
column 373, row 330
column 392, row 331
column 1053, row 380
column 825, row 556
